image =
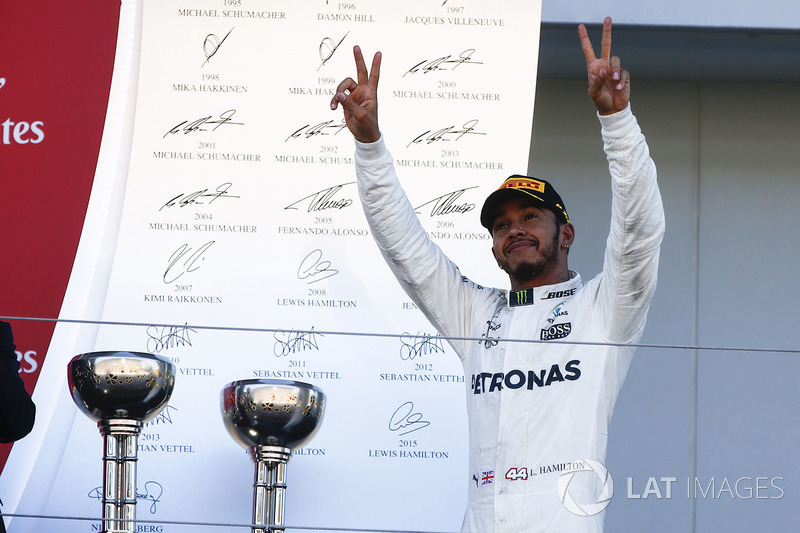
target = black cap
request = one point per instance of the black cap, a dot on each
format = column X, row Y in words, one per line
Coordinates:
column 528, row 187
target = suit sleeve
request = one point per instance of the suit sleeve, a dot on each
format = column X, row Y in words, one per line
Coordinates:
column 630, row 265
column 17, row 411
column 430, row 279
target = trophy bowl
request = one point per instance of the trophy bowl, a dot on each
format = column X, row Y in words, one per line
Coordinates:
column 113, row 385
column 272, row 412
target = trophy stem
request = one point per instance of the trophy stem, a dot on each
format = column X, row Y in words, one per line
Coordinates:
column 269, row 487
column 261, row 501
column 120, row 440
column 278, row 494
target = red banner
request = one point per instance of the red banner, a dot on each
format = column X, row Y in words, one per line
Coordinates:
column 55, row 76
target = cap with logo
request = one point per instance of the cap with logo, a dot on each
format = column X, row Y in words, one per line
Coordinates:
column 518, row 186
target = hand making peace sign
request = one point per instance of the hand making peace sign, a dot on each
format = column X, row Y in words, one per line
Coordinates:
column 609, row 86
column 360, row 102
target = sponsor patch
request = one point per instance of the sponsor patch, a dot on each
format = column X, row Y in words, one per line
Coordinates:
column 556, row 331
column 520, row 297
column 523, row 183
column 560, row 294
column 518, row 379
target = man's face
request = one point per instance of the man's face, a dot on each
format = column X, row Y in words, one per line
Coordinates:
column 525, row 239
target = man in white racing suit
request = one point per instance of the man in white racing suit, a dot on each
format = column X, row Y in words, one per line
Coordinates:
column 538, row 411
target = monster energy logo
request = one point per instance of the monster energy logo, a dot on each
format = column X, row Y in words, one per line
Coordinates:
column 521, row 297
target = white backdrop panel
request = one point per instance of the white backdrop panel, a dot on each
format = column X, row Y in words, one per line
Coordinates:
column 243, row 252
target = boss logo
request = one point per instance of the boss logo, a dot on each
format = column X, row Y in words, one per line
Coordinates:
column 556, row 331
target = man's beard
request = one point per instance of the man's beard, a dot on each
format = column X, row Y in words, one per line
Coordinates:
column 526, row 270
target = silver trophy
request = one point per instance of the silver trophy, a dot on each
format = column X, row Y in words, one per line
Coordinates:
column 271, row 418
column 120, row 391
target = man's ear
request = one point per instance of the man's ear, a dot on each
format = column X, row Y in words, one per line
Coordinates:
column 567, row 234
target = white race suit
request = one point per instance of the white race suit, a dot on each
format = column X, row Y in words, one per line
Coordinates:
column 538, row 411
